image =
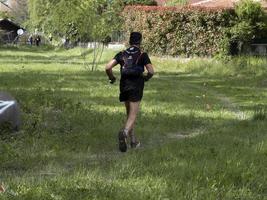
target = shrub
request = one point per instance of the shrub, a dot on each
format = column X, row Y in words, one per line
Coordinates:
column 250, row 22
column 196, row 31
column 179, row 30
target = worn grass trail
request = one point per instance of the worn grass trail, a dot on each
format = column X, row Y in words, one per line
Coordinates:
column 203, row 134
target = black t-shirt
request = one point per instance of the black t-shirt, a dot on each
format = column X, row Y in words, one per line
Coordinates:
column 132, row 83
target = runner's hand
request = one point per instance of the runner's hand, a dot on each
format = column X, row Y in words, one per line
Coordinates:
column 113, row 80
column 147, row 76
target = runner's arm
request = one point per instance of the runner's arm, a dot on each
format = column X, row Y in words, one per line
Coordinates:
column 109, row 72
column 150, row 68
column 150, row 71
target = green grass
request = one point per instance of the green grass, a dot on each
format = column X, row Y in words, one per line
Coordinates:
column 176, row 2
column 202, row 126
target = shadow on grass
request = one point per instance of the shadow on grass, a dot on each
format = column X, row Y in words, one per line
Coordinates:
column 70, row 133
column 63, row 133
column 60, row 114
column 45, row 59
column 31, row 49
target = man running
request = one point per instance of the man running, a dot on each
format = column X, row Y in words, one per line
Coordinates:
column 133, row 63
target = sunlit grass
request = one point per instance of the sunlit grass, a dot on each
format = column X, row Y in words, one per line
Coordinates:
column 202, row 126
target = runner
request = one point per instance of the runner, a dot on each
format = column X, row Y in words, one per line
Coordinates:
column 133, row 63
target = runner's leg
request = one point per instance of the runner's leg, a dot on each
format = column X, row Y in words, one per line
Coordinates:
column 133, row 111
column 127, row 106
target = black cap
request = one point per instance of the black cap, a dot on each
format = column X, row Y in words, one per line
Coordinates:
column 135, row 38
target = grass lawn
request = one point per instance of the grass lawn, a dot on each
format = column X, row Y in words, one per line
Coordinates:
column 202, row 125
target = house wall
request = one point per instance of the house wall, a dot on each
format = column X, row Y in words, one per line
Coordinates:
column 4, row 8
column 8, row 5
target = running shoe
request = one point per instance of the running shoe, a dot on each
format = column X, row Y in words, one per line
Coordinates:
column 122, row 141
column 135, row 144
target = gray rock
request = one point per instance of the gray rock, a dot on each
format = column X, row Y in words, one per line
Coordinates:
column 9, row 111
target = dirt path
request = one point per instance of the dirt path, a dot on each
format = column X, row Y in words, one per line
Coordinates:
column 231, row 106
column 227, row 103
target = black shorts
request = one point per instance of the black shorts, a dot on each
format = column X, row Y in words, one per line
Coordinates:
column 131, row 95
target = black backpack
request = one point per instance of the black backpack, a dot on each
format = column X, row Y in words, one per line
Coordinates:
column 131, row 67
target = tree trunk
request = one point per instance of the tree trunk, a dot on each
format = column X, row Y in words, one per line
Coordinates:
column 101, row 53
column 94, row 57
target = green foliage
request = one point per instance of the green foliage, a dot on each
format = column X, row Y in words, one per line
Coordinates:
column 5, row 129
column 242, row 31
column 140, row 2
column 196, row 31
column 250, row 22
column 250, row 11
column 73, row 19
column 175, row 32
column 4, row 15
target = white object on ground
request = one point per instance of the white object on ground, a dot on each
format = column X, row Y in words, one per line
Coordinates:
column 4, row 105
column 9, row 111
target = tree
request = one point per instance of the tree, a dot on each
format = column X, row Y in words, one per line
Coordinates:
column 71, row 18
column 251, row 21
column 87, row 20
column 40, row 14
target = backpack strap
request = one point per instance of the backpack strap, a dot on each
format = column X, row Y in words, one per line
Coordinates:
column 123, row 56
column 137, row 60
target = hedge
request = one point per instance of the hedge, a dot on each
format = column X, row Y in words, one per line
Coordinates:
column 179, row 31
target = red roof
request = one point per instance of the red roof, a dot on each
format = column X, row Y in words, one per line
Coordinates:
column 219, row 3
column 4, row 7
column 212, row 3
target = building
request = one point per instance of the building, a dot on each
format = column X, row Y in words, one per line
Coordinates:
column 4, row 7
column 7, row 5
column 8, row 31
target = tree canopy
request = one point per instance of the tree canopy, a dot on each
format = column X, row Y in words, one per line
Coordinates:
column 74, row 19
column 78, row 20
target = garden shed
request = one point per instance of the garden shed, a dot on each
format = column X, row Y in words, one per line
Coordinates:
column 8, row 30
